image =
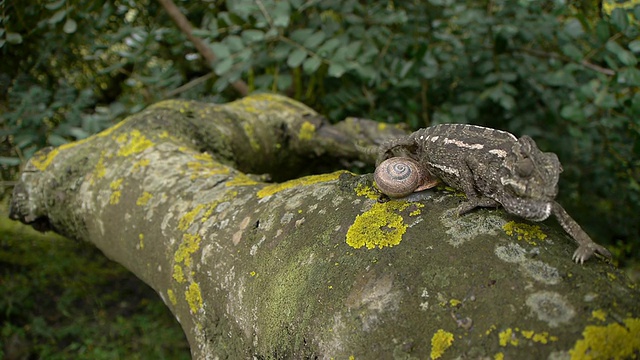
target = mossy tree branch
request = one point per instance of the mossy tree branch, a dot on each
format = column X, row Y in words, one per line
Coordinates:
column 314, row 266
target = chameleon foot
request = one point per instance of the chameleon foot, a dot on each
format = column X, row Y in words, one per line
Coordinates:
column 584, row 252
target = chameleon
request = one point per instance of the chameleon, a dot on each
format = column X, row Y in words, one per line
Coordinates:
column 492, row 167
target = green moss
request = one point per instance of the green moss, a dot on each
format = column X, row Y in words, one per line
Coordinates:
column 380, row 226
column 307, row 130
column 194, row 297
column 613, row 341
column 303, row 181
column 440, row 342
column 526, row 232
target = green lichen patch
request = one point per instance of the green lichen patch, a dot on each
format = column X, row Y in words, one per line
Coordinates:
column 249, row 131
column 194, row 297
column 134, row 143
column 307, row 130
column 440, row 342
column 144, row 199
column 365, row 190
column 303, row 181
column 613, row 341
column 526, row 232
column 190, row 244
column 241, row 180
column 380, row 226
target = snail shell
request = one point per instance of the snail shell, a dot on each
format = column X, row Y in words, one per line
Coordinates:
column 400, row 176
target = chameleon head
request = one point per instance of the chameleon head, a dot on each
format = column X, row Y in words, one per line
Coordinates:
column 529, row 173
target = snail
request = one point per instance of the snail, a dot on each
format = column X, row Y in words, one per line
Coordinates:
column 400, row 176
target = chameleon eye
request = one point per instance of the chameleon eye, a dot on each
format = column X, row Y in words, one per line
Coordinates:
column 524, row 167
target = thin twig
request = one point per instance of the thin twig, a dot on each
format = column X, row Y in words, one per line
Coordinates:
column 189, row 85
column 185, row 26
column 584, row 63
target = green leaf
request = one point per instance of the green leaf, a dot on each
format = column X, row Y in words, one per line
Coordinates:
column 605, row 100
column 625, row 57
column 235, row 43
column 573, row 28
column 223, row 66
column 572, row 51
column 252, row 36
column 70, row 26
column 635, row 46
column 328, row 47
column 336, row 69
column 602, row 31
column 314, row 40
column 9, row 161
column 572, row 112
column 296, row 57
column 619, row 19
column 221, row 50
column 311, row 64
column 300, row 35
column 281, row 14
column 14, row 38
column 629, row 76
column 55, row 5
column 57, row 17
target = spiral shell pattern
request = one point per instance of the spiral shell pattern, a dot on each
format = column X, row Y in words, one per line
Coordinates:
column 398, row 176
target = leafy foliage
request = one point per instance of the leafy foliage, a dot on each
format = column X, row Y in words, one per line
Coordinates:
column 565, row 72
column 65, row 300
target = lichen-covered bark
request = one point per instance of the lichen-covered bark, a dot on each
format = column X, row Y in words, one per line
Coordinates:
column 315, row 266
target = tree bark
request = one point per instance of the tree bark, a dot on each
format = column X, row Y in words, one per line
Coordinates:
column 315, row 266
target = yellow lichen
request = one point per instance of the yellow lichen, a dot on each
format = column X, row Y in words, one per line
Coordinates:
column 613, row 341
column 172, row 297
column 114, row 199
column 380, row 226
column 190, row 244
column 599, row 314
column 307, row 130
column 100, row 169
column 178, row 274
column 241, row 180
column 440, row 342
column 253, row 142
column 507, row 337
column 498, row 356
column 368, row 191
column 144, row 199
column 187, row 219
column 141, row 238
column 526, row 232
column 454, row 302
column 611, row 276
column 528, row 334
column 115, row 184
column 42, row 161
column 417, row 211
column 303, row 181
column 490, row 330
column 194, row 297
column 136, row 144
column 140, row 164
